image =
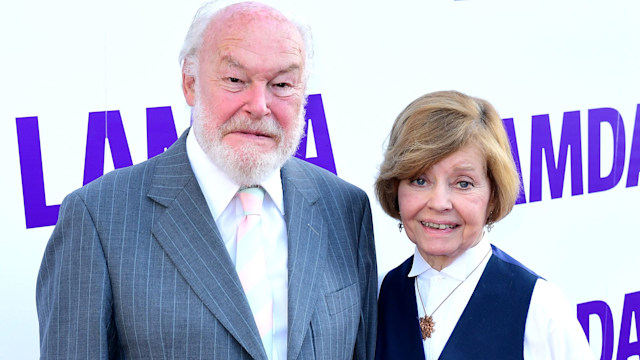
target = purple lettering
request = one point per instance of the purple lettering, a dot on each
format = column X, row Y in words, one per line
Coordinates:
column 105, row 125
column 541, row 141
column 634, row 159
column 631, row 308
column 161, row 130
column 602, row 310
column 613, row 118
column 511, row 133
column 315, row 112
column 36, row 211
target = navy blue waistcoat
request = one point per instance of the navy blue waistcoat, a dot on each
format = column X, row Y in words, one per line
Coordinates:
column 490, row 327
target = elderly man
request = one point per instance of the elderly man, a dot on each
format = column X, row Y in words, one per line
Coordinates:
column 224, row 246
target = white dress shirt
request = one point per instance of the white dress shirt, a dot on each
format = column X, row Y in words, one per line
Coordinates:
column 552, row 330
column 219, row 191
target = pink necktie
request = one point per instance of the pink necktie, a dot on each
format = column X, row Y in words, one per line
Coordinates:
column 251, row 266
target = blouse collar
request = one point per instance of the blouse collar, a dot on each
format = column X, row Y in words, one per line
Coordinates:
column 460, row 267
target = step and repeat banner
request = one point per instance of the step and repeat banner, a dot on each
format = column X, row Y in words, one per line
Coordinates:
column 89, row 86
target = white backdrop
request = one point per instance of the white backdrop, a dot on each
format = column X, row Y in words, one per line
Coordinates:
column 62, row 60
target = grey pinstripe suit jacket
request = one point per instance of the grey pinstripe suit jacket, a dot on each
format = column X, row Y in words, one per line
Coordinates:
column 136, row 268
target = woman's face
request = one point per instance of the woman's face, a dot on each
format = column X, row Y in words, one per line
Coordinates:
column 445, row 209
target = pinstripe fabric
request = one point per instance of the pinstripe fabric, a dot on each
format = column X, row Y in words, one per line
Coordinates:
column 135, row 268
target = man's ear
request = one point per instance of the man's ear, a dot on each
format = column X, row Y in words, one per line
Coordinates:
column 189, row 88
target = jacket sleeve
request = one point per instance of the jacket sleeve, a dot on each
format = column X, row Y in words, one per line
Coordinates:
column 73, row 292
column 368, row 277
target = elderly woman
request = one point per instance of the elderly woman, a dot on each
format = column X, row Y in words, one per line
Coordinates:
column 448, row 176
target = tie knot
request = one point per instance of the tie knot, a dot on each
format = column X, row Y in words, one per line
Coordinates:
column 251, row 200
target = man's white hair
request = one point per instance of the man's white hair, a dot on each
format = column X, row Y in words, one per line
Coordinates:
column 195, row 36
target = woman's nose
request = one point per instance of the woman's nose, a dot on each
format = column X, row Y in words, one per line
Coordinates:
column 440, row 198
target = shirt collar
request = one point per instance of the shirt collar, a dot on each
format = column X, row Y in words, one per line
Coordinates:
column 218, row 189
column 460, row 267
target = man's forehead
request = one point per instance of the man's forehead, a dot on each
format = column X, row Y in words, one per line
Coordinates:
column 254, row 30
column 244, row 17
column 251, row 10
column 244, row 20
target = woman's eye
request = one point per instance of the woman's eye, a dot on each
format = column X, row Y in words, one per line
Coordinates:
column 282, row 85
column 419, row 181
column 464, row 184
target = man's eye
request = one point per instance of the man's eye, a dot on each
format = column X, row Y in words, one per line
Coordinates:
column 233, row 80
column 283, row 89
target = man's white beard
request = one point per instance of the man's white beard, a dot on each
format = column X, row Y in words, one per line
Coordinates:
column 250, row 164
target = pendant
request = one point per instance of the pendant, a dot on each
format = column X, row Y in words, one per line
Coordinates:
column 427, row 326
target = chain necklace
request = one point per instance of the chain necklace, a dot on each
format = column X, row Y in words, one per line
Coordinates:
column 427, row 325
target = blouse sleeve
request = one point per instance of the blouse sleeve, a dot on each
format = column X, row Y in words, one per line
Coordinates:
column 552, row 330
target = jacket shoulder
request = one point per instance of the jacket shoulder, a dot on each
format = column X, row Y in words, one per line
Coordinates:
column 514, row 265
column 396, row 278
column 139, row 176
column 322, row 178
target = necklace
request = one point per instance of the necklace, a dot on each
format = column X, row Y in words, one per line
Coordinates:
column 427, row 325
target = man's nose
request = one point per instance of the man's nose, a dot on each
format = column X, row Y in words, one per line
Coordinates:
column 257, row 101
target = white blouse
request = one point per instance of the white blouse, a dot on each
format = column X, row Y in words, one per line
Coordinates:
column 552, row 330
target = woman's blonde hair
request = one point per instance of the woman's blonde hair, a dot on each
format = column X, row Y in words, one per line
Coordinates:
column 435, row 126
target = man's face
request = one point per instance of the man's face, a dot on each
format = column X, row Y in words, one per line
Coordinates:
column 248, row 93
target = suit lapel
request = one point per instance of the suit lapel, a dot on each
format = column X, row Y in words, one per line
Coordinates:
column 188, row 234
column 307, row 238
